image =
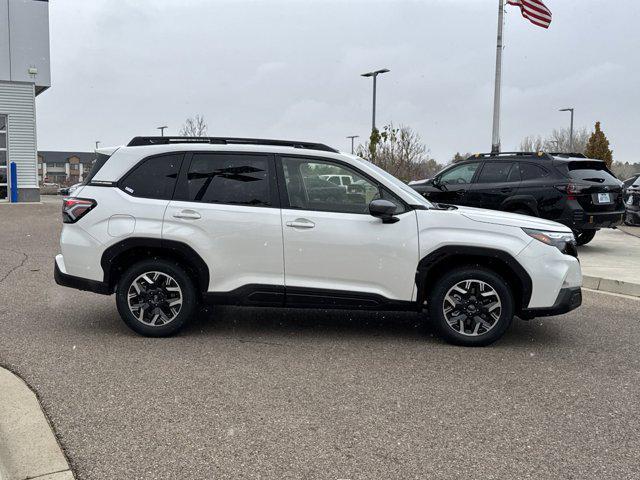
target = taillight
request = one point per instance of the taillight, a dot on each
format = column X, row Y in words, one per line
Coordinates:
column 572, row 189
column 73, row 209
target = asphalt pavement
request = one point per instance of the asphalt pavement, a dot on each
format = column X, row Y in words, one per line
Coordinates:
column 273, row 394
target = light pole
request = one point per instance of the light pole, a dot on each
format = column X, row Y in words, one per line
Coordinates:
column 352, row 137
column 97, row 143
column 162, row 130
column 570, row 127
column 374, row 74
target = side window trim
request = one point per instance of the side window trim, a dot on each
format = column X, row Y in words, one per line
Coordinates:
column 181, row 192
column 282, row 188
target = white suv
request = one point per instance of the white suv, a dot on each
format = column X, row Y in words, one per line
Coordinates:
column 167, row 223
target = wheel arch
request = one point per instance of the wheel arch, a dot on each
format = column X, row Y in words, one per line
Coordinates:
column 435, row 264
column 117, row 257
column 524, row 202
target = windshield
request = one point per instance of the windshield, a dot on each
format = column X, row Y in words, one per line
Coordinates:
column 419, row 199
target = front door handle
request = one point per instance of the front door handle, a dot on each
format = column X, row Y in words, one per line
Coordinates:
column 301, row 223
column 187, row 214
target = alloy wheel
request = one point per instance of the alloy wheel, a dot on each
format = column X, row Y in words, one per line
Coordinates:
column 472, row 307
column 155, row 298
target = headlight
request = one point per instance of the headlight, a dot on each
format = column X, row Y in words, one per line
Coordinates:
column 555, row 239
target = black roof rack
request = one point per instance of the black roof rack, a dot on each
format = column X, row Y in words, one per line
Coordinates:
column 141, row 141
column 565, row 154
column 526, row 154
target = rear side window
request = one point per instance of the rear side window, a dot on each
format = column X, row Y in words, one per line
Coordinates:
column 589, row 171
column 229, row 179
column 529, row 171
column 155, row 177
column 97, row 164
column 495, row 172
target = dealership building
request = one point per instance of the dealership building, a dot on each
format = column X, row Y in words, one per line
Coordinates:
column 24, row 74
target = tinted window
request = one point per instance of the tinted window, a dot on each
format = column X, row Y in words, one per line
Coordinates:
column 310, row 187
column 153, row 178
column 460, row 174
column 229, row 179
column 97, row 164
column 529, row 171
column 589, row 171
column 494, row 172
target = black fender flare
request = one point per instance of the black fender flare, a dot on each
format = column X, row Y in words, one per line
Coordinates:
column 452, row 256
column 178, row 250
column 525, row 200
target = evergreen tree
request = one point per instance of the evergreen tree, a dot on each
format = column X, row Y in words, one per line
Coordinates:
column 598, row 147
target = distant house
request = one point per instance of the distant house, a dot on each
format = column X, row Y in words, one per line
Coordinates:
column 64, row 168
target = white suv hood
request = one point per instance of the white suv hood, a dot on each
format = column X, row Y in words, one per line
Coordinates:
column 510, row 219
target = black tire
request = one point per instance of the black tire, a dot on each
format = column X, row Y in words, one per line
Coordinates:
column 177, row 319
column 584, row 236
column 523, row 211
column 437, row 304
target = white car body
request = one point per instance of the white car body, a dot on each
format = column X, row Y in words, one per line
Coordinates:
column 250, row 245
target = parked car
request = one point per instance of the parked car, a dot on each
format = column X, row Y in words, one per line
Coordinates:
column 578, row 192
column 167, row 223
column 68, row 190
column 633, row 203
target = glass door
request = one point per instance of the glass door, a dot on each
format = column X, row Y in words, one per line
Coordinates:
column 4, row 166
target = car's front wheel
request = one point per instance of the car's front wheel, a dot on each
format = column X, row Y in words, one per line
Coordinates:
column 471, row 306
column 156, row 297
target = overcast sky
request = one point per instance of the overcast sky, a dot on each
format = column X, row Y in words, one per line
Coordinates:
column 290, row 69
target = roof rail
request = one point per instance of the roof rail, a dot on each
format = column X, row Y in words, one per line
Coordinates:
column 141, row 141
column 509, row 154
column 565, row 154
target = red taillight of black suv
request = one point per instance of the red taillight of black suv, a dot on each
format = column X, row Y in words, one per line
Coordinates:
column 73, row 209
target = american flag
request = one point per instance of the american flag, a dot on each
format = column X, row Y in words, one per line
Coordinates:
column 533, row 10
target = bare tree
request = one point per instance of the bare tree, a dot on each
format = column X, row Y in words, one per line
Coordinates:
column 194, row 127
column 556, row 141
column 400, row 152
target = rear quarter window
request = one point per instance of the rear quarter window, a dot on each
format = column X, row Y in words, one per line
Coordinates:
column 154, row 178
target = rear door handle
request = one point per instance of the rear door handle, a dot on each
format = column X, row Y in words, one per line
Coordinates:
column 506, row 190
column 301, row 223
column 187, row 214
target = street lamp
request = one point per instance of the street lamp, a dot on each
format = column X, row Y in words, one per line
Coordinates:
column 570, row 127
column 97, row 143
column 374, row 74
column 352, row 137
column 162, row 130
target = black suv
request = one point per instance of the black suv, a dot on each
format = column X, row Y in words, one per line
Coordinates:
column 633, row 203
column 576, row 191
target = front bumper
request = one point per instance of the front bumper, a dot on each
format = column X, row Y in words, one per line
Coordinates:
column 568, row 299
column 64, row 279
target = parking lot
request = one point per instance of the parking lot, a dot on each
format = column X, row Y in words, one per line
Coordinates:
column 265, row 393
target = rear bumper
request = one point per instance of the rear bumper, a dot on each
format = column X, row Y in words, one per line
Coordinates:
column 64, row 279
column 580, row 220
column 568, row 299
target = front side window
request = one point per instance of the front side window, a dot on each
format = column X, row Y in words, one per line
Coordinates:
column 229, row 179
column 155, row 177
column 310, row 186
column 495, row 172
column 461, row 174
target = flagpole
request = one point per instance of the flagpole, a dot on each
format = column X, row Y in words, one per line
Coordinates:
column 495, row 138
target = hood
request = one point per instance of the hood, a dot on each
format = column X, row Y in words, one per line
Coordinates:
column 510, row 219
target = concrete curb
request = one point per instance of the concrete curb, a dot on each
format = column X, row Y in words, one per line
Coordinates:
column 28, row 447
column 611, row 286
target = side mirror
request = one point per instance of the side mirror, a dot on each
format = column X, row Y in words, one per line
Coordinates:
column 383, row 209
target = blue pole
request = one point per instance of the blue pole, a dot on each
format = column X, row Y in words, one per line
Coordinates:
column 14, row 182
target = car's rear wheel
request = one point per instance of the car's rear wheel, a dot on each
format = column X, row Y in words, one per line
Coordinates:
column 471, row 306
column 156, row 297
column 584, row 236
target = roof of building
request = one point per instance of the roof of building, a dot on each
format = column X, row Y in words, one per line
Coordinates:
column 62, row 157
